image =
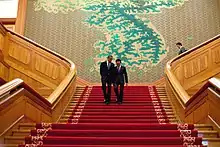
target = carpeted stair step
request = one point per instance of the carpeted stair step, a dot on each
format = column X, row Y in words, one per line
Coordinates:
column 120, row 113
column 98, row 99
column 125, row 107
column 131, row 101
column 116, row 146
column 117, row 133
column 115, row 140
column 67, row 120
column 106, row 109
column 101, row 103
column 118, row 116
column 121, row 120
column 116, row 126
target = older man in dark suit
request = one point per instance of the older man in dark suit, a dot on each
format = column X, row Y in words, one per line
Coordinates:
column 121, row 78
column 106, row 72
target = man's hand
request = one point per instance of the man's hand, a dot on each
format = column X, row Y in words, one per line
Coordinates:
column 126, row 84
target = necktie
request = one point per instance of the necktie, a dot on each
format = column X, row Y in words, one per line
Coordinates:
column 109, row 65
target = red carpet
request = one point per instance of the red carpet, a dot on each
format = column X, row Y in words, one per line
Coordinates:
column 141, row 121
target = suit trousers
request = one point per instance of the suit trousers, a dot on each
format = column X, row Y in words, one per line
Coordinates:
column 107, row 95
column 119, row 96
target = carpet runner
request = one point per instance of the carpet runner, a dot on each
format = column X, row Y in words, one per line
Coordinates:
column 141, row 121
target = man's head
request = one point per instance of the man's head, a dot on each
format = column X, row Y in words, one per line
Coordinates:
column 109, row 58
column 179, row 45
column 118, row 62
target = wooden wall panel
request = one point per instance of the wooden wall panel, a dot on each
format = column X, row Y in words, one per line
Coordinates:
column 198, row 66
column 216, row 55
column 19, row 53
column 177, row 72
column 1, row 40
column 35, row 66
column 27, row 79
column 4, row 71
column 47, row 67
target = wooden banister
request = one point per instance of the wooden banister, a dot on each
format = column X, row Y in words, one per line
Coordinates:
column 21, row 103
column 195, row 69
column 72, row 69
column 213, row 82
column 176, row 65
column 194, row 49
column 10, row 86
column 39, row 68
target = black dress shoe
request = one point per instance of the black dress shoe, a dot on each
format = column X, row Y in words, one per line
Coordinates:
column 119, row 103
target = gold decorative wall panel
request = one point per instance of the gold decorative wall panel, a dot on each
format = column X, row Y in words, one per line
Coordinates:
column 19, row 52
column 3, row 71
column 195, row 66
column 1, row 41
column 216, row 55
column 46, row 67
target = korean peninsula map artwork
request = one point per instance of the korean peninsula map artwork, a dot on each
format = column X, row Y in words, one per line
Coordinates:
column 129, row 34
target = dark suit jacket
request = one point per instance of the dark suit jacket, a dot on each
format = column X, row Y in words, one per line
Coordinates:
column 105, row 72
column 182, row 50
column 121, row 75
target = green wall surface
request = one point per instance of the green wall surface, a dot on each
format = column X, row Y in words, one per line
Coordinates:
column 142, row 33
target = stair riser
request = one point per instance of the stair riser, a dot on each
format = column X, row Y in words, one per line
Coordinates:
column 204, row 128
column 14, row 141
column 21, row 133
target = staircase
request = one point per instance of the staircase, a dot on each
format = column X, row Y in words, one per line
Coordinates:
column 97, row 116
column 17, row 135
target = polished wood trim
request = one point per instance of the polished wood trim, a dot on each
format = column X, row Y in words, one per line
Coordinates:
column 21, row 17
column 17, row 84
column 12, row 125
column 36, row 44
column 182, row 80
column 68, row 78
column 194, row 49
column 176, row 84
column 7, row 21
column 22, row 102
column 213, row 82
column 3, row 30
column 10, row 86
column 82, row 82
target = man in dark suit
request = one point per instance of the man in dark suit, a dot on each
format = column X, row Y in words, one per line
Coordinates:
column 181, row 48
column 106, row 72
column 120, row 79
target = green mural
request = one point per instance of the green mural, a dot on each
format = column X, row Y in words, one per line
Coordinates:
column 129, row 33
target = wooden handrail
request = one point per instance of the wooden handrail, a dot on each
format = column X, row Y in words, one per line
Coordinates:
column 19, row 83
column 213, row 82
column 175, row 83
column 184, row 97
column 10, row 86
column 194, row 49
column 68, row 78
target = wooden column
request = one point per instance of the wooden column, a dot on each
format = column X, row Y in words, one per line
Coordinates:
column 21, row 17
